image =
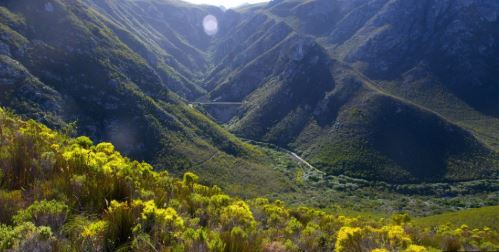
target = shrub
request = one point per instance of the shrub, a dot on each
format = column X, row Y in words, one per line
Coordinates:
column 451, row 244
column 202, row 240
column 396, row 236
column 93, row 236
column 120, row 220
column 237, row 239
column 190, row 178
column 10, row 203
column 44, row 213
column 238, row 214
column 401, row 218
column 164, row 226
column 379, row 250
column 367, row 238
column 416, row 248
column 312, row 238
column 349, row 239
column 152, row 211
column 84, row 142
column 293, row 227
column 26, row 237
column 107, row 148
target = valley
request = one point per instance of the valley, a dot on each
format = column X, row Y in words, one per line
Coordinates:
column 316, row 118
column 263, row 76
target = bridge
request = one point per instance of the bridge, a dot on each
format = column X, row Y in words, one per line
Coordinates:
column 216, row 103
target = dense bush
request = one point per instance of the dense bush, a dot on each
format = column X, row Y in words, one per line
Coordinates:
column 26, row 237
column 11, row 202
column 44, row 213
column 59, row 193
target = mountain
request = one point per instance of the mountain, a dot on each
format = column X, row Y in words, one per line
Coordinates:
column 360, row 89
column 167, row 34
column 355, row 87
column 70, row 61
column 442, row 58
column 369, row 110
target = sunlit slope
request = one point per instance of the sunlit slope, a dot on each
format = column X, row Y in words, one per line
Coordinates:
column 441, row 58
column 355, row 130
column 474, row 218
column 167, row 34
column 63, row 62
column 302, row 74
column 294, row 94
column 60, row 193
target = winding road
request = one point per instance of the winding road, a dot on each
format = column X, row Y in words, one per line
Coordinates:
column 290, row 153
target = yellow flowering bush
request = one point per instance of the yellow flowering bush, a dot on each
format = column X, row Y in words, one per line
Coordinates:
column 396, row 236
column 94, row 229
column 349, row 239
column 416, row 248
column 379, row 250
column 238, row 214
column 95, row 199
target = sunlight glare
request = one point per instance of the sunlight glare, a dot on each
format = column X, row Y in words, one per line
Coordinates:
column 226, row 3
column 210, row 25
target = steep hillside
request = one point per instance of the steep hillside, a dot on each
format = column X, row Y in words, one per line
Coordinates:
column 345, row 126
column 443, row 58
column 310, row 76
column 65, row 194
column 448, row 55
column 65, row 62
column 169, row 35
column 355, row 87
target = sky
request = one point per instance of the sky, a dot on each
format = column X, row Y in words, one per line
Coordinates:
column 225, row 3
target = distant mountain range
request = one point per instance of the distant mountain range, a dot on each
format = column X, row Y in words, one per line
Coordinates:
column 394, row 90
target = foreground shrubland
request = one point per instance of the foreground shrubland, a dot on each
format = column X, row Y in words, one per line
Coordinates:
column 63, row 194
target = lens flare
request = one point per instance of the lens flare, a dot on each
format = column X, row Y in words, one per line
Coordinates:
column 210, row 25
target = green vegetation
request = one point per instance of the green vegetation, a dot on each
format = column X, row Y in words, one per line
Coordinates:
column 118, row 79
column 474, row 218
column 103, row 79
column 115, row 68
column 69, row 194
column 347, row 125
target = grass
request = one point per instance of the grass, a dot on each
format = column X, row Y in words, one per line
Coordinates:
column 474, row 218
column 352, row 197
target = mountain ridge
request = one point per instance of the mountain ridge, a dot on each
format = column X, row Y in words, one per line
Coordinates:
column 66, row 65
column 476, row 128
column 295, row 87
